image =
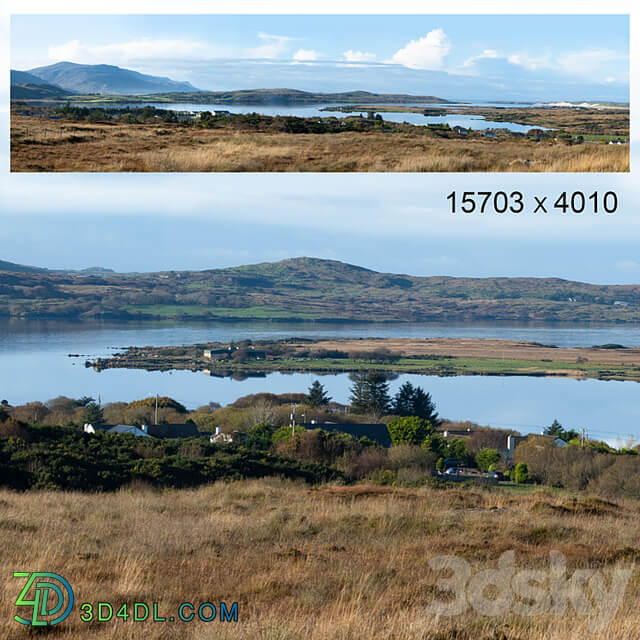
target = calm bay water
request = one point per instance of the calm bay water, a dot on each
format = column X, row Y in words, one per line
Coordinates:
column 35, row 365
column 311, row 111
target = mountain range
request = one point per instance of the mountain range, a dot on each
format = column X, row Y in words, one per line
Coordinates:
column 322, row 78
column 308, row 289
column 97, row 78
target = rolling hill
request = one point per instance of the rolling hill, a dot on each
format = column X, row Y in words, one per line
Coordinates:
column 104, row 78
column 19, row 268
column 26, row 86
column 308, row 289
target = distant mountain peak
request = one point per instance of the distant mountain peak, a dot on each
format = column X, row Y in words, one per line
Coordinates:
column 105, row 78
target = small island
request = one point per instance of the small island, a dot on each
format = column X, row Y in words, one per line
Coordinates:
column 428, row 356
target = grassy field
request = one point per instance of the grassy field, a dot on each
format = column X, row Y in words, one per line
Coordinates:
column 435, row 356
column 39, row 144
column 321, row 563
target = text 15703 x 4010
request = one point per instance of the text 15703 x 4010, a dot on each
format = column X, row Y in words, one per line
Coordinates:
column 515, row 202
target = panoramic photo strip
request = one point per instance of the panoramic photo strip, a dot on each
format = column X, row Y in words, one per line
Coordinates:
column 323, row 93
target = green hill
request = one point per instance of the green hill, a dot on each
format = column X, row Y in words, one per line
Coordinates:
column 265, row 97
column 20, row 268
column 309, row 289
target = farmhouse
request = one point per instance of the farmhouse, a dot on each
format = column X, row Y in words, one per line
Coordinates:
column 537, row 134
column 116, row 428
column 188, row 430
column 514, row 441
column 219, row 437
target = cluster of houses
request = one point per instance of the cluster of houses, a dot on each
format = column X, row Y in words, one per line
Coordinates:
column 187, row 430
column 512, row 441
column 164, row 431
column 378, row 433
column 190, row 116
column 533, row 134
column 227, row 352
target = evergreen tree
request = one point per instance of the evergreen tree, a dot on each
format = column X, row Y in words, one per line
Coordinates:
column 424, row 407
column 554, row 430
column 413, row 401
column 358, row 397
column 317, row 396
column 403, row 400
column 557, row 430
column 370, row 393
column 93, row 414
column 378, row 393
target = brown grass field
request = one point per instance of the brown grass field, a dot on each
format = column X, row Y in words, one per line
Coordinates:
column 54, row 145
column 480, row 348
column 307, row 563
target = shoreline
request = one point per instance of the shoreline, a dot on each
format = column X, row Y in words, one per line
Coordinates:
column 431, row 356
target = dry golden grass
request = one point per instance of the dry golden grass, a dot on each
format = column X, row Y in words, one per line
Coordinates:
column 56, row 145
column 479, row 348
column 319, row 564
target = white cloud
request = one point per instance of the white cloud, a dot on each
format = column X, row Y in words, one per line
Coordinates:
column 588, row 61
column 426, row 53
column 358, row 56
column 486, row 54
column 149, row 49
column 143, row 49
column 306, row 54
column 272, row 47
column 531, row 63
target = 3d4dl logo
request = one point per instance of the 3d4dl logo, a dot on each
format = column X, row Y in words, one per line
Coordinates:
column 46, row 594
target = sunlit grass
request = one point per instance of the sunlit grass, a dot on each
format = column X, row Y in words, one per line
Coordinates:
column 318, row 563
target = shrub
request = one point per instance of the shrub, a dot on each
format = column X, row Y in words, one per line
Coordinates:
column 521, row 473
column 487, row 458
column 410, row 430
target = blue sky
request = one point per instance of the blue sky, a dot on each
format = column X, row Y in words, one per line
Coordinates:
column 391, row 222
column 562, row 56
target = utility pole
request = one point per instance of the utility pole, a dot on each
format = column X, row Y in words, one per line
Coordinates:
column 156, row 418
column 293, row 419
column 582, row 437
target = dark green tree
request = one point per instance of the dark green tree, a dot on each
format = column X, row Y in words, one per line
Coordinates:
column 370, row 393
column 557, row 430
column 260, row 436
column 358, row 397
column 93, row 414
column 317, row 396
column 403, row 400
column 554, row 430
column 414, row 401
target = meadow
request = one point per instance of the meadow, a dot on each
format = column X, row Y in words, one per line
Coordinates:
column 321, row 563
column 41, row 144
